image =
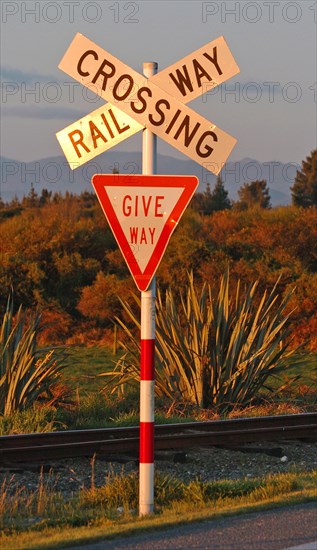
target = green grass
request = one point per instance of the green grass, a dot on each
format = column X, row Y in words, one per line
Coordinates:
column 307, row 373
column 35, row 419
column 298, row 386
column 92, row 409
column 45, row 519
column 83, row 366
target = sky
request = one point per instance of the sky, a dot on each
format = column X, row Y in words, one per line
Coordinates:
column 269, row 107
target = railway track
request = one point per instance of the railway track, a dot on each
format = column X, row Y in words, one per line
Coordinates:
column 41, row 447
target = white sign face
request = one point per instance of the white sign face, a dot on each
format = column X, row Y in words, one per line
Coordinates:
column 143, row 212
column 96, row 133
column 149, row 105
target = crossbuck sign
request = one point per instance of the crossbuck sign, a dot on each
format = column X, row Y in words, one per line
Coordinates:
column 143, row 210
column 157, row 103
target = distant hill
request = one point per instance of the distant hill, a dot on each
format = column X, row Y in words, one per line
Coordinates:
column 54, row 174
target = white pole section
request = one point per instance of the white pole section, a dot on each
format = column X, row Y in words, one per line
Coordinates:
column 146, row 472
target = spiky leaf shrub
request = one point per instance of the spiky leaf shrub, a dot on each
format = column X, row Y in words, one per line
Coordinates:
column 214, row 351
column 25, row 372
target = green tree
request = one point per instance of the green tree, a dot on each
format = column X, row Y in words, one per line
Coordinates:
column 45, row 197
column 207, row 199
column 211, row 201
column 304, row 190
column 197, row 202
column 255, row 193
column 219, row 197
column 32, row 199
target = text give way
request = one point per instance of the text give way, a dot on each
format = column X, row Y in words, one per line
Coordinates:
column 143, row 212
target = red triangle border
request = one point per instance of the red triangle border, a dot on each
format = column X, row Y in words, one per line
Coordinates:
column 100, row 183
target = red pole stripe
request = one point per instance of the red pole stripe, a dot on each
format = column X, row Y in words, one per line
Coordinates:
column 147, row 359
column 147, row 442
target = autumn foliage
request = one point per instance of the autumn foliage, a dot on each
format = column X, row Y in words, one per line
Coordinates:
column 58, row 253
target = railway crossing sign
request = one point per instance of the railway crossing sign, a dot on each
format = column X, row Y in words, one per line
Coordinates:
column 157, row 103
column 143, row 212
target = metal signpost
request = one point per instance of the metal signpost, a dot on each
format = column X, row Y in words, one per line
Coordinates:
column 143, row 210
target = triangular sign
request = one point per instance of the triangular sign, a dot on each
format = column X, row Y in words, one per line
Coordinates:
column 143, row 212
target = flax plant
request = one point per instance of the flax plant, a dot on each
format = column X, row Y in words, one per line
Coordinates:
column 25, row 372
column 214, row 351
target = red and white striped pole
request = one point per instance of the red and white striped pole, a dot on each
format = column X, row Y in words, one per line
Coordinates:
column 146, row 471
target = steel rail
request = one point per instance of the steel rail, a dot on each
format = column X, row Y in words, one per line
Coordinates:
column 110, row 441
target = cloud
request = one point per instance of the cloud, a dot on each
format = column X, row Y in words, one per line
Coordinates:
column 17, row 76
column 44, row 113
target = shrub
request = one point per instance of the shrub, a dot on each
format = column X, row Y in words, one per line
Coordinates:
column 25, row 372
column 214, row 351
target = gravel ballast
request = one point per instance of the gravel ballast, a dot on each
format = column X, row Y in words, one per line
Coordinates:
column 207, row 464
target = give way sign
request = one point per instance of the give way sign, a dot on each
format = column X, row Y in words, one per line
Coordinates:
column 143, row 212
column 157, row 103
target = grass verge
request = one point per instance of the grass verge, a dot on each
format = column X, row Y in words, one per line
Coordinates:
column 46, row 520
column 84, row 364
